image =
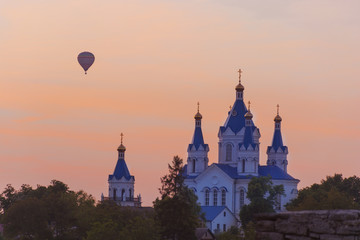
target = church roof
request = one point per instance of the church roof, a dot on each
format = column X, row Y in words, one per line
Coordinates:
column 277, row 141
column 274, row 172
column 235, row 120
column 211, row 212
column 121, row 170
column 198, row 139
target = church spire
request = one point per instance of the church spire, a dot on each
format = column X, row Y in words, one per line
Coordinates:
column 198, row 139
column 277, row 139
column 121, row 169
column 197, row 149
column 277, row 152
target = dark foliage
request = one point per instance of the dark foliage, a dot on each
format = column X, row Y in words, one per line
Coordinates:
column 334, row 192
column 177, row 212
column 261, row 193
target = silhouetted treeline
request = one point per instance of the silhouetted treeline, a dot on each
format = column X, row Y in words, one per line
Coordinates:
column 55, row 212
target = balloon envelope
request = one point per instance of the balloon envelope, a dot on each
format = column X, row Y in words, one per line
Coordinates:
column 86, row 59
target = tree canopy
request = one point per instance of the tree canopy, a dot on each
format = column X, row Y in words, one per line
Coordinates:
column 177, row 212
column 261, row 193
column 57, row 213
column 334, row 192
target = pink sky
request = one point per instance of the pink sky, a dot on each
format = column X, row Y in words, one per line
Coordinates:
column 154, row 60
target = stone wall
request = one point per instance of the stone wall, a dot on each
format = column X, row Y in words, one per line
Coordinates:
column 308, row 225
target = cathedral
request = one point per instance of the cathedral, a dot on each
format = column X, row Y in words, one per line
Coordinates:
column 221, row 187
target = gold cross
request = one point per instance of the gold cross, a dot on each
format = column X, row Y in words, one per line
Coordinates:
column 277, row 109
column 198, row 106
column 249, row 106
column 239, row 75
column 122, row 135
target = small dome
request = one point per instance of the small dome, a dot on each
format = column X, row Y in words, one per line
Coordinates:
column 278, row 118
column 248, row 114
column 198, row 116
column 121, row 148
column 239, row 87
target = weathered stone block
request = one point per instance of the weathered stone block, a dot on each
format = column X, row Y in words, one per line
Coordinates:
column 265, row 226
column 269, row 236
column 349, row 227
column 295, row 237
column 314, row 235
column 284, row 226
column 343, row 215
column 330, row 237
column 321, row 227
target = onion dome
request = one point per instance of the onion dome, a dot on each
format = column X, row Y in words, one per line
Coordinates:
column 239, row 87
column 198, row 116
column 121, row 148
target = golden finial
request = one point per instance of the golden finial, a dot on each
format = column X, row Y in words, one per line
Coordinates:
column 198, row 116
column 239, row 75
column 248, row 114
column 121, row 148
column 230, row 107
column 239, row 87
column 277, row 118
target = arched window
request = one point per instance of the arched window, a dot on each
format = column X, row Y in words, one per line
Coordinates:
column 193, row 165
column 207, row 197
column 114, row 194
column 122, row 194
column 242, row 198
column 243, row 165
column 130, row 194
column 223, row 197
column 228, row 152
column 215, row 197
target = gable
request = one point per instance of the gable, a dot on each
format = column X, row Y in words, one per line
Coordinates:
column 213, row 175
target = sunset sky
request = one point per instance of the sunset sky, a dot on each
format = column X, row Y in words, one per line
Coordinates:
column 154, row 60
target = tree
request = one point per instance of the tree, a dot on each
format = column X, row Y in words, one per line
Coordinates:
column 261, row 193
column 177, row 212
column 334, row 192
column 52, row 212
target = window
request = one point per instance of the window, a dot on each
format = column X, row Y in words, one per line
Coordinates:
column 228, row 152
column 223, row 197
column 215, row 197
column 207, row 193
column 130, row 195
column 243, row 165
column 218, row 226
column 122, row 194
column 193, row 165
column 114, row 194
column 224, row 214
column 224, row 227
column 242, row 198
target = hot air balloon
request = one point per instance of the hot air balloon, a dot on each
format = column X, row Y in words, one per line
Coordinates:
column 86, row 59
